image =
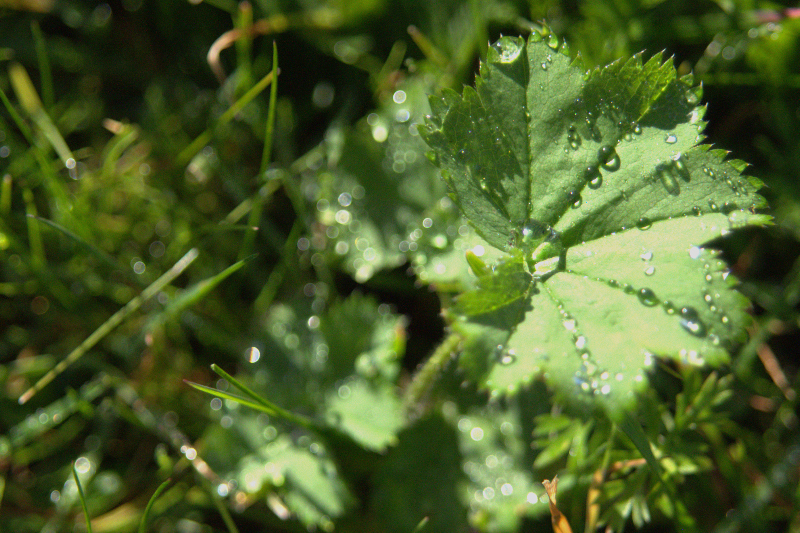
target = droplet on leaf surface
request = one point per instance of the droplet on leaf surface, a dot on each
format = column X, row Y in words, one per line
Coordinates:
column 647, row 297
column 508, row 49
column 668, row 180
column 690, row 321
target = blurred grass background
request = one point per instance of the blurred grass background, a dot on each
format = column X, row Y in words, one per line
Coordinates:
column 103, row 191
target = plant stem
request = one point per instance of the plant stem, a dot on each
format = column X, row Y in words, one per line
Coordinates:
column 426, row 376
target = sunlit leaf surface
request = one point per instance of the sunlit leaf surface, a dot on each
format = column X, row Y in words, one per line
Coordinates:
column 596, row 187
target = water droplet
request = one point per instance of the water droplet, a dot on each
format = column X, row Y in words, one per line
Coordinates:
column 671, row 138
column 609, row 158
column 681, row 168
column 649, row 271
column 254, row 354
column 647, row 256
column 647, row 297
column 668, row 180
column 570, row 324
column 690, row 321
column 552, row 42
column 627, row 288
column 596, row 182
column 696, row 211
column 508, row 48
column 573, row 138
column 573, row 195
column 83, row 465
column 592, row 173
column 669, row 307
column 544, row 65
column 503, row 356
column 644, row 223
column 637, row 129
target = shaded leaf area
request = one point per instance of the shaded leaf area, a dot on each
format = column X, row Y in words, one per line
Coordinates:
column 502, row 490
column 427, row 458
column 379, row 184
column 339, row 366
column 439, row 245
column 605, row 167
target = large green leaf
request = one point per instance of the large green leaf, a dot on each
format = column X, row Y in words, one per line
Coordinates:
column 595, row 185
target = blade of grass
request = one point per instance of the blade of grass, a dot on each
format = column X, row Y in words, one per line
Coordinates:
column 195, row 293
column 270, row 289
column 5, row 196
column 2, row 487
column 94, row 250
column 54, row 186
column 421, row 526
column 114, row 149
column 266, row 155
column 254, row 220
column 161, row 488
column 427, row 47
column 244, row 46
column 45, row 73
column 253, row 400
column 82, row 497
column 223, row 510
column 271, row 410
column 112, row 322
column 203, row 139
column 27, row 96
column 300, row 420
column 35, row 244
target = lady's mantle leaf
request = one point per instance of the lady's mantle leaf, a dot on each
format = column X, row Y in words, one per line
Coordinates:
column 595, row 184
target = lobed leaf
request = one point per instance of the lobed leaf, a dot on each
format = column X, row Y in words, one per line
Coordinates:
column 596, row 187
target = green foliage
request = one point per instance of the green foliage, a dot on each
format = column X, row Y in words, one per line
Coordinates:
column 219, row 273
column 595, row 182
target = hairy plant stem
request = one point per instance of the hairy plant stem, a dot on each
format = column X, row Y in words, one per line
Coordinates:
column 423, row 380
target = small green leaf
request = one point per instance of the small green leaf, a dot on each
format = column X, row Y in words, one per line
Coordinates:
column 379, row 184
column 370, row 414
column 594, row 184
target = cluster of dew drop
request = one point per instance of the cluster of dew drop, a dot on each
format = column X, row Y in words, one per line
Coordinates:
column 351, row 233
column 673, row 172
column 590, row 377
column 607, row 159
column 430, row 242
column 496, row 482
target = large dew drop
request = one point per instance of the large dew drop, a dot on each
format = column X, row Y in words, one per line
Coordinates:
column 690, row 321
column 608, row 158
column 647, row 297
column 508, row 49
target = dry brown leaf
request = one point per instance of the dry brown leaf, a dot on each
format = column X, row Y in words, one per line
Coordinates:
column 560, row 524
